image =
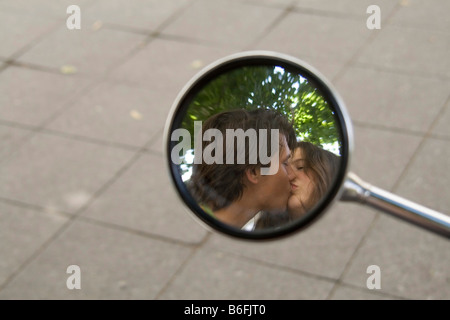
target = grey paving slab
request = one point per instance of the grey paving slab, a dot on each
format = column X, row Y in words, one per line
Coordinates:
column 116, row 113
column 59, row 173
column 355, row 9
column 231, row 23
column 22, row 232
column 215, row 275
column 423, row 14
column 273, row 3
column 143, row 199
column 19, row 30
column 427, row 179
column 161, row 67
column 441, row 128
column 327, row 38
column 30, row 97
column 148, row 15
column 113, row 265
column 418, row 51
column 9, row 138
column 89, row 51
column 44, row 8
column 414, row 262
column 392, row 100
column 350, row 293
column 380, row 156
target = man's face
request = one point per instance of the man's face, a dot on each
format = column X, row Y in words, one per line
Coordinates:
column 276, row 189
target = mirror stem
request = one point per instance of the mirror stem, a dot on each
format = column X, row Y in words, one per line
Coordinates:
column 357, row 190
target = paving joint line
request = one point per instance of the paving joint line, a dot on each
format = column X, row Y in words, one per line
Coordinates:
column 327, row 13
column 183, row 265
column 402, row 72
column 381, row 127
column 284, row 13
column 136, row 232
column 374, row 292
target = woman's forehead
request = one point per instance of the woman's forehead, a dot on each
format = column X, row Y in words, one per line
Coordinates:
column 297, row 154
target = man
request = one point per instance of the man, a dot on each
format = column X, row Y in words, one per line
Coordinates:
column 235, row 191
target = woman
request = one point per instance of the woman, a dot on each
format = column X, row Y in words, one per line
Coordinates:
column 315, row 169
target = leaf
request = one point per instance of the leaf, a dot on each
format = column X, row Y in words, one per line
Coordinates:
column 97, row 25
column 136, row 115
column 68, row 69
column 197, row 64
column 404, row 3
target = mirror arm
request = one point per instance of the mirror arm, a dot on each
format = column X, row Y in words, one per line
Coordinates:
column 357, row 190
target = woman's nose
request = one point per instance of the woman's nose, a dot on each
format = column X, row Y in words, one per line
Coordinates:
column 290, row 173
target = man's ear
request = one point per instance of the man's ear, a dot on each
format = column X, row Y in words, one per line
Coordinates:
column 253, row 175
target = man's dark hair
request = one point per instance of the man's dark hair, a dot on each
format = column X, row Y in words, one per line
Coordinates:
column 218, row 185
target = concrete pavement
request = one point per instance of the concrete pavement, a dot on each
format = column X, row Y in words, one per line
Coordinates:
column 82, row 177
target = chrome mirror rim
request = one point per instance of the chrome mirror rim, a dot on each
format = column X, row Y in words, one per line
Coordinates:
column 345, row 126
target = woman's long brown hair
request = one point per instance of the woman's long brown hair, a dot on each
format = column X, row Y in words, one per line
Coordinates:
column 320, row 166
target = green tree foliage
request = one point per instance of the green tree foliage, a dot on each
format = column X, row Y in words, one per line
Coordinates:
column 268, row 87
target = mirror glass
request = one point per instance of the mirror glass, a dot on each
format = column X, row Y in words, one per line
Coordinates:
column 256, row 146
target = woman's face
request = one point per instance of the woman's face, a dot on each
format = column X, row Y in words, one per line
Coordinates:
column 300, row 200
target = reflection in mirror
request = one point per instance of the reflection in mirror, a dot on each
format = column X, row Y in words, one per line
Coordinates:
column 258, row 147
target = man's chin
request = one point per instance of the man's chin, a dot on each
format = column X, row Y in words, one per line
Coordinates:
column 296, row 212
column 278, row 210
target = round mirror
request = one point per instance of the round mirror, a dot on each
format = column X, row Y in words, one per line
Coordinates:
column 258, row 145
